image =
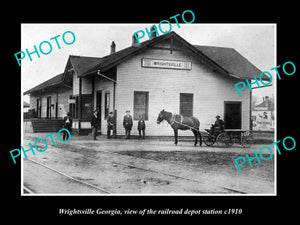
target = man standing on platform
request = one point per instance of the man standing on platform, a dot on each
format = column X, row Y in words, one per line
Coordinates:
column 127, row 124
column 95, row 124
column 68, row 120
column 141, row 127
column 110, row 123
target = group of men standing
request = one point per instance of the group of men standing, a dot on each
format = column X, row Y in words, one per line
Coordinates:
column 127, row 124
column 95, row 123
column 111, row 123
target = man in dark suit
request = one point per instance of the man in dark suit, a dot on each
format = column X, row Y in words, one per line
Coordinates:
column 68, row 125
column 127, row 124
column 141, row 127
column 110, row 123
column 95, row 124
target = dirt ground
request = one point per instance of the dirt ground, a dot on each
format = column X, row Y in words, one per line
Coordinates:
column 115, row 165
column 212, row 161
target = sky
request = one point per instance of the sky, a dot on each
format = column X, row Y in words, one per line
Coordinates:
column 256, row 42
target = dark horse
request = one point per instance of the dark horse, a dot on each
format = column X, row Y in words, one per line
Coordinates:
column 179, row 122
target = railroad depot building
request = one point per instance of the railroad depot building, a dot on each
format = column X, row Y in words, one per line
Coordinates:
column 166, row 72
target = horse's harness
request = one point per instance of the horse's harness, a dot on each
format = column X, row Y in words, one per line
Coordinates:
column 173, row 120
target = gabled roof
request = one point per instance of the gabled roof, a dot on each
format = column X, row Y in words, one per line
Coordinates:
column 81, row 64
column 267, row 103
column 117, row 57
column 54, row 81
column 231, row 61
column 226, row 60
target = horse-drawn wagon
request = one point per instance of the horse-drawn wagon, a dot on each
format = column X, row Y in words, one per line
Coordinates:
column 225, row 138
column 228, row 137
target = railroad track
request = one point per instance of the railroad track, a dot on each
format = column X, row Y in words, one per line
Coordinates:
column 227, row 189
column 163, row 173
column 105, row 191
column 178, row 177
column 29, row 191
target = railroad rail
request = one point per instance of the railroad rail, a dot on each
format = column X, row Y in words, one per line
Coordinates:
column 228, row 189
column 153, row 160
column 158, row 172
column 27, row 190
column 68, row 176
column 130, row 166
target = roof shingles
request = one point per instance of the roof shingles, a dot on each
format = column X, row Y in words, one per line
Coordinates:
column 228, row 59
column 56, row 80
column 231, row 61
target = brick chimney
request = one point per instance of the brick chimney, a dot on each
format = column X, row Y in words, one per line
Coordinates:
column 134, row 41
column 112, row 47
column 153, row 34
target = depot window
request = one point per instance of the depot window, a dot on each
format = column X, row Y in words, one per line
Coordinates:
column 186, row 104
column 86, row 106
column 141, row 105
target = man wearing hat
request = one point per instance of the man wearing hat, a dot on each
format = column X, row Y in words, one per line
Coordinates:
column 68, row 120
column 95, row 123
column 110, row 123
column 218, row 127
column 127, row 124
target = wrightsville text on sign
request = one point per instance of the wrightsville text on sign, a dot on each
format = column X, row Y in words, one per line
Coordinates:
column 166, row 64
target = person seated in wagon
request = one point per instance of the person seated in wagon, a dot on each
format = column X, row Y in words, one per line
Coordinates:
column 218, row 127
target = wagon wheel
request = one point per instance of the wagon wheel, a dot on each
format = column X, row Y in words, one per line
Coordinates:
column 209, row 140
column 223, row 140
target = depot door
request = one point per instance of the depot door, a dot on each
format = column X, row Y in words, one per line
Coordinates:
column 49, row 107
column 233, row 115
column 38, row 108
column 99, row 106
